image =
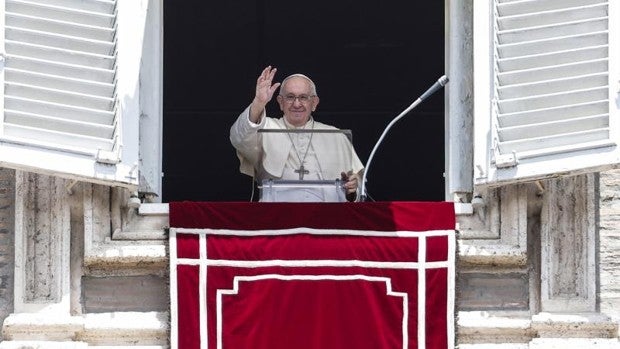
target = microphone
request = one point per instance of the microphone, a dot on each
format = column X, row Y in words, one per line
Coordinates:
column 441, row 82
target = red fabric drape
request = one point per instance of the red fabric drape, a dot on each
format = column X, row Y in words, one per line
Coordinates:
column 310, row 276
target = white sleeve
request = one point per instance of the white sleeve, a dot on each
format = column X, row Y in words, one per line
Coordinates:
column 244, row 137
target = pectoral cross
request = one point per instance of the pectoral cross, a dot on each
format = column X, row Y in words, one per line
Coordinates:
column 302, row 171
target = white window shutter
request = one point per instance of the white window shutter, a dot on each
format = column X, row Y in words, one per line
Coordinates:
column 69, row 99
column 546, row 88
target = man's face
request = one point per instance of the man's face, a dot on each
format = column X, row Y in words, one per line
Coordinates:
column 296, row 101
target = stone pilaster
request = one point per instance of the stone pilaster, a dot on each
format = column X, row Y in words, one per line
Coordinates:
column 7, row 230
column 42, row 244
column 568, row 237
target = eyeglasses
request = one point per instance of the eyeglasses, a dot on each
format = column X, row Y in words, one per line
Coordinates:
column 302, row 98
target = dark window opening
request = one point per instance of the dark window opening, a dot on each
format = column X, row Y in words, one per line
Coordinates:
column 369, row 59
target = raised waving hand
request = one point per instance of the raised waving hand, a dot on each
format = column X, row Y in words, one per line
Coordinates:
column 265, row 88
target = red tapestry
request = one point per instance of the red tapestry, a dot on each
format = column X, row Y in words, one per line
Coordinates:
column 312, row 276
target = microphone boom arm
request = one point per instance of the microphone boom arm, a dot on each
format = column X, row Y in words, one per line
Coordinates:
column 441, row 82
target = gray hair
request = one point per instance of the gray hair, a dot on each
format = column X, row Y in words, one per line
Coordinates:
column 312, row 86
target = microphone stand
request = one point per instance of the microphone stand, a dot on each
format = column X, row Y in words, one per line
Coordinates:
column 441, row 82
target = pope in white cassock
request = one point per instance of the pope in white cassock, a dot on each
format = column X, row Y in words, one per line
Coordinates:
column 314, row 155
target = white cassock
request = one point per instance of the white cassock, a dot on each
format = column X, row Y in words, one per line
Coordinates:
column 281, row 155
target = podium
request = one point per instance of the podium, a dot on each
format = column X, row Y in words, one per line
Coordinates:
column 315, row 178
column 274, row 190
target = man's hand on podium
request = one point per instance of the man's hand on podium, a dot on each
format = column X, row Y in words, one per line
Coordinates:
column 350, row 180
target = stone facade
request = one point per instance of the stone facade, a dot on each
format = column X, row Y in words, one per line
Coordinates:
column 89, row 271
column 537, row 265
column 564, row 293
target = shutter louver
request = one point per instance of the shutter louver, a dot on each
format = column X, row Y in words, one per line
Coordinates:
column 60, row 71
column 546, row 88
column 551, row 88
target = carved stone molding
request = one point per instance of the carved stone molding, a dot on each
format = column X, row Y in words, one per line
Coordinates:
column 568, row 237
column 496, row 233
column 483, row 329
column 147, row 222
column 118, row 236
column 42, row 243
column 118, row 329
